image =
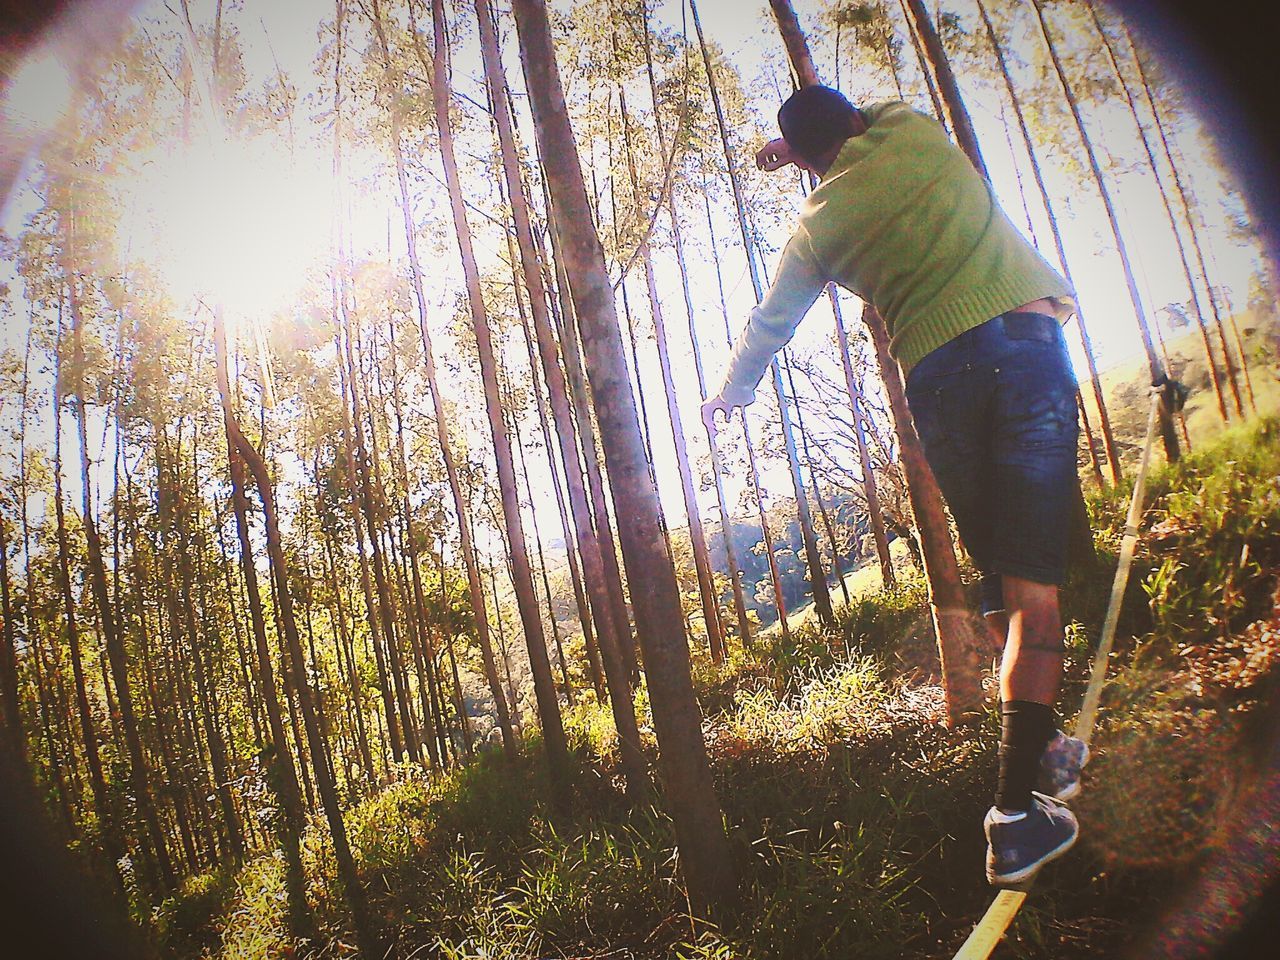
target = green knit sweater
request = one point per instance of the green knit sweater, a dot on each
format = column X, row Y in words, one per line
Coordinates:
column 904, row 221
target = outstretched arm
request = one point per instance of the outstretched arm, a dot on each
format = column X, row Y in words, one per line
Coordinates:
column 796, row 286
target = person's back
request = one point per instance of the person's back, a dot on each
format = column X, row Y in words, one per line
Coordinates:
column 903, row 220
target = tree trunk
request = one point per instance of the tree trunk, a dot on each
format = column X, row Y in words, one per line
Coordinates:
column 961, row 123
column 1167, row 432
column 929, row 83
column 690, row 792
column 760, row 281
column 744, row 626
column 797, row 46
column 1191, row 227
column 726, row 522
column 579, row 398
column 366, row 581
column 959, row 640
column 594, row 663
column 368, row 508
column 697, row 537
column 1104, row 418
column 526, row 600
column 614, row 630
column 138, row 768
column 10, row 704
column 442, row 430
column 817, row 577
column 961, row 643
column 1215, row 377
column 278, row 757
column 411, row 586
column 869, row 488
column 311, row 715
column 369, row 943
column 837, row 566
column 514, row 421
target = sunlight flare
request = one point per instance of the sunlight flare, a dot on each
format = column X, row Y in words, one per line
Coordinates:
column 237, row 221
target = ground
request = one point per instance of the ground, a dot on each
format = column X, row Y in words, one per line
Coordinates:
column 855, row 814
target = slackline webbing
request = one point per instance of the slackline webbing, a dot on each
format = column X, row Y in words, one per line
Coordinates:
column 1006, row 904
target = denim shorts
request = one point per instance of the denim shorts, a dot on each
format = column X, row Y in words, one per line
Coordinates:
column 996, row 411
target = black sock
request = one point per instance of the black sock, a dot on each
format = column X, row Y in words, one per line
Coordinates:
column 1025, row 729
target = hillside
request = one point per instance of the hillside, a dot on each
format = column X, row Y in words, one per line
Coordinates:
column 855, row 815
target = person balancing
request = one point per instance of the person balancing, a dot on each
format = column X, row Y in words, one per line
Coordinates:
column 902, row 219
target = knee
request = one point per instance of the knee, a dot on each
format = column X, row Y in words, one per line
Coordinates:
column 1034, row 606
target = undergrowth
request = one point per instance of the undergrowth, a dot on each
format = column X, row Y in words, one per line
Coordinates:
column 854, row 813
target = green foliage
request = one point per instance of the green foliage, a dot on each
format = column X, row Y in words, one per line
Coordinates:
column 257, row 923
column 854, row 813
column 184, row 922
column 873, row 624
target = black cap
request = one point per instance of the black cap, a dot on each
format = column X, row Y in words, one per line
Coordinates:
column 815, row 119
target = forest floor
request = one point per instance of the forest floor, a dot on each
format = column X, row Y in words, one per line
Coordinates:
column 855, row 815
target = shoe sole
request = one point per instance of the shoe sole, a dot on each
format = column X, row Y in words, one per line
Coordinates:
column 1068, row 792
column 1026, row 873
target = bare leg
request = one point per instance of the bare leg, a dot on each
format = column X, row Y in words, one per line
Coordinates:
column 1032, row 665
column 997, row 628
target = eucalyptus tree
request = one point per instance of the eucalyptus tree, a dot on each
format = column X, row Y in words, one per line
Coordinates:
column 322, row 769
column 526, row 599
column 614, row 630
column 1185, row 205
column 677, row 235
column 702, row 564
column 474, row 584
column 949, row 89
column 813, row 560
column 959, row 641
column 689, row 790
column 1131, row 102
column 1168, row 434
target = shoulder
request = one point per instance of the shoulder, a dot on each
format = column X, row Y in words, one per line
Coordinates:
column 894, row 114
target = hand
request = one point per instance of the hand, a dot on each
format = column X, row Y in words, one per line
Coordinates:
column 711, row 407
column 775, row 155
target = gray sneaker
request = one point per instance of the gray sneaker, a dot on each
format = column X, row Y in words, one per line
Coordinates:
column 1017, row 850
column 1060, row 766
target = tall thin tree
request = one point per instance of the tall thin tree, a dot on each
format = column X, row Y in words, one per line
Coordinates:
column 553, row 735
column 959, row 640
column 689, row 790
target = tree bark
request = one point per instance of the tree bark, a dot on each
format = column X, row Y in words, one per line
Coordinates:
column 1104, row 418
column 690, row 792
column 797, row 46
column 1167, row 432
column 526, row 600
column 961, row 123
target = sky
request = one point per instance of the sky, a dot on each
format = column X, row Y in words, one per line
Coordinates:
column 291, row 194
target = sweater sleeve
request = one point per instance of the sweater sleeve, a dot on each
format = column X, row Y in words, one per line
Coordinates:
column 798, row 283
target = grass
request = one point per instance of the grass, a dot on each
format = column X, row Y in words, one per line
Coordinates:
column 854, row 815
